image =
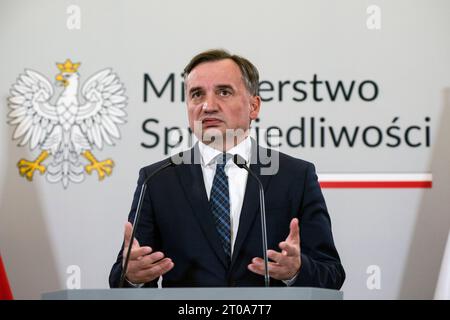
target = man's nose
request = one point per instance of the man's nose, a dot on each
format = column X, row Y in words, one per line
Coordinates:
column 210, row 104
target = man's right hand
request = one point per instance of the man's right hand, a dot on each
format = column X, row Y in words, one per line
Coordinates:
column 144, row 265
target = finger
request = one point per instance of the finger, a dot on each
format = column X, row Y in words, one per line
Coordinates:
column 276, row 271
column 257, row 266
column 139, row 252
column 127, row 234
column 137, row 266
column 275, row 256
column 158, row 269
column 149, row 260
column 260, row 261
column 127, row 237
column 289, row 249
column 294, row 231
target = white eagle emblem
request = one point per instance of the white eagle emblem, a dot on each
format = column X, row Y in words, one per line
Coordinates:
column 68, row 128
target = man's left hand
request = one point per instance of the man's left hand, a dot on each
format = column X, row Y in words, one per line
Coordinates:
column 286, row 263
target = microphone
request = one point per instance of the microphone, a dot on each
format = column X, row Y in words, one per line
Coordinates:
column 240, row 162
column 173, row 161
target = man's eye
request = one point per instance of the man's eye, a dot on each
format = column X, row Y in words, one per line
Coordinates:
column 225, row 93
column 195, row 94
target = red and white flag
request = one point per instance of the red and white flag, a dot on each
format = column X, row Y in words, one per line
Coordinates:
column 5, row 290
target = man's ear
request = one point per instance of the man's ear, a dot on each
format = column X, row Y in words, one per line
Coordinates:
column 255, row 105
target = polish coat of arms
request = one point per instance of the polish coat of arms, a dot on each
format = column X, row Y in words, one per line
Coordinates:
column 67, row 130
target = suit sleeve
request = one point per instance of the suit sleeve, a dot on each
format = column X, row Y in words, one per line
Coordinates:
column 146, row 233
column 320, row 262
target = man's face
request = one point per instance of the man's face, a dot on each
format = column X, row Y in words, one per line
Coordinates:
column 218, row 100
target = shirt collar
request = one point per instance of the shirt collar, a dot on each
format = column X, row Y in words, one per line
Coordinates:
column 209, row 154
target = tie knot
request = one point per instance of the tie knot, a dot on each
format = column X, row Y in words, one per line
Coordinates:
column 222, row 159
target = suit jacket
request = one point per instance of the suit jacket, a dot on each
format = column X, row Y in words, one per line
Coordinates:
column 176, row 219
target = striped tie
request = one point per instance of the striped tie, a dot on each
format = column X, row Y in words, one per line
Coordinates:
column 220, row 204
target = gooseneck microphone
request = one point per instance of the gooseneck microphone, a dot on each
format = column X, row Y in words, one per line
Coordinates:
column 166, row 165
column 241, row 163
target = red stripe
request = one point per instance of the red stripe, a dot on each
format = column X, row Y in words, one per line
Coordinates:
column 376, row 184
column 5, row 290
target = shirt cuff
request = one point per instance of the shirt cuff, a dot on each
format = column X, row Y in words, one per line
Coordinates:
column 291, row 281
column 134, row 285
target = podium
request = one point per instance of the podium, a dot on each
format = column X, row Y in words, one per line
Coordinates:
column 243, row 293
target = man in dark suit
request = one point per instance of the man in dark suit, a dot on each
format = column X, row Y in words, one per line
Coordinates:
column 199, row 225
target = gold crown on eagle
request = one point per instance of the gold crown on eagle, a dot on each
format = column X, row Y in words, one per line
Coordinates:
column 68, row 66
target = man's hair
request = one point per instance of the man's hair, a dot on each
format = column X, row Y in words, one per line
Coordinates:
column 250, row 74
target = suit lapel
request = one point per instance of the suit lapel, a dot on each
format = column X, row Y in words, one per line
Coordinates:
column 250, row 207
column 191, row 178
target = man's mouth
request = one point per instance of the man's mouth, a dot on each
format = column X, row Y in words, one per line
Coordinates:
column 211, row 122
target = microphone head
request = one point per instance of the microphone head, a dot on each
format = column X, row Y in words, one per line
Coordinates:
column 176, row 159
column 239, row 161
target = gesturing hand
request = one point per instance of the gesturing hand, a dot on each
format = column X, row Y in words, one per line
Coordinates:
column 143, row 266
column 286, row 263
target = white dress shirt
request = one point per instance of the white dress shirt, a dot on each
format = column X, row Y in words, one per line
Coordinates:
column 237, row 178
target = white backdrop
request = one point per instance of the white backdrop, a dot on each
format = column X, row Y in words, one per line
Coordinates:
column 392, row 238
